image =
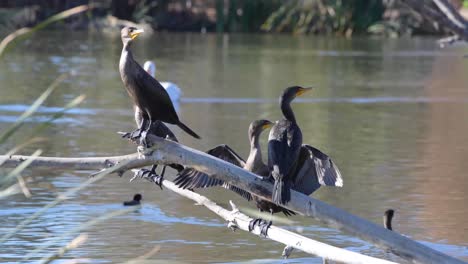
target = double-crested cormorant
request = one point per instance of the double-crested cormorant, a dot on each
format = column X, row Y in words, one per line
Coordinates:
column 136, row 200
column 387, row 218
column 191, row 178
column 284, row 146
column 294, row 165
column 172, row 89
column 146, row 92
column 158, row 129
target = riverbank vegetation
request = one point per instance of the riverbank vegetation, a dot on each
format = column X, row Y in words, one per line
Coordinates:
column 334, row 17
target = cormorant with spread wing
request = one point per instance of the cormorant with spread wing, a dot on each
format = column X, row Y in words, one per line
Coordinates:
column 295, row 165
column 191, row 178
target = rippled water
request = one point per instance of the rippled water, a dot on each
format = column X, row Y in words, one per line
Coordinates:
column 392, row 113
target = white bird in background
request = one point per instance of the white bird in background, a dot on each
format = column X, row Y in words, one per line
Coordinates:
column 171, row 88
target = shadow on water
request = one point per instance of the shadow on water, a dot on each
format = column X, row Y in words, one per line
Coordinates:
column 391, row 113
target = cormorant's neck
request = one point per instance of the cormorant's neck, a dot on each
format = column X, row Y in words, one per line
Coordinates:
column 127, row 45
column 126, row 49
column 287, row 111
column 255, row 155
column 125, row 57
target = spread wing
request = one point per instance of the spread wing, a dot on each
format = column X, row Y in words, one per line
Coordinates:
column 190, row 178
column 315, row 168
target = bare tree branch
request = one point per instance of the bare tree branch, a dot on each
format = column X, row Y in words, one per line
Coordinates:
column 239, row 220
column 167, row 152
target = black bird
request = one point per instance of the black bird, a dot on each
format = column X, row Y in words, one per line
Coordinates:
column 293, row 164
column 284, row 146
column 158, row 129
column 387, row 218
column 136, row 200
column 191, row 178
column 148, row 95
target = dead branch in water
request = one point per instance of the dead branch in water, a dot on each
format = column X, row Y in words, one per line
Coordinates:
column 167, row 152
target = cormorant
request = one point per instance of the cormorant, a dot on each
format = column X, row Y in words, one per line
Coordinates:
column 387, row 218
column 284, row 146
column 191, row 178
column 136, row 200
column 158, row 129
column 146, row 92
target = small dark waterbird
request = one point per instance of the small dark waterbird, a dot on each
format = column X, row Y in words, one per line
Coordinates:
column 136, row 200
column 148, row 95
column 387, row 218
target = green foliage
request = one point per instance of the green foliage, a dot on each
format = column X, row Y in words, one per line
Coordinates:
column 325, row 16
column 252, row 15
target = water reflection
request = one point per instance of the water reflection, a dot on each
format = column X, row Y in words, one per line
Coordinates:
column 391, row 113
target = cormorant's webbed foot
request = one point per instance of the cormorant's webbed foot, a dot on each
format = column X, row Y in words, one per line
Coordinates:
column 264, row 226
column 135, row 134
column 150, row 174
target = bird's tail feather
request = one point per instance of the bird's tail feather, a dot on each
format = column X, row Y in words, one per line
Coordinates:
column 281, row 192
column 188, row 130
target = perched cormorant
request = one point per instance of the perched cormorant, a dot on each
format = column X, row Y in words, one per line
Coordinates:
column 172, row 89
column 146, row 92
column 294, row 165
column 284, row 146
column 387, row 218
column 158, row 129
column 136, row 200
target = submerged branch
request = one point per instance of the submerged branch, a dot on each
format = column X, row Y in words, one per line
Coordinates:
column 167, row 152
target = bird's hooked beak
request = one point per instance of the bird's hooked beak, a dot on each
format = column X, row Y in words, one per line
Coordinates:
column 303, row 90
column 267, row 125
column 135, row 33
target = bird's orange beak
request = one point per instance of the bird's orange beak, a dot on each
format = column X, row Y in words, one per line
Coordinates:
column 302, row 91
column 135, row 33
column 267, row 125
